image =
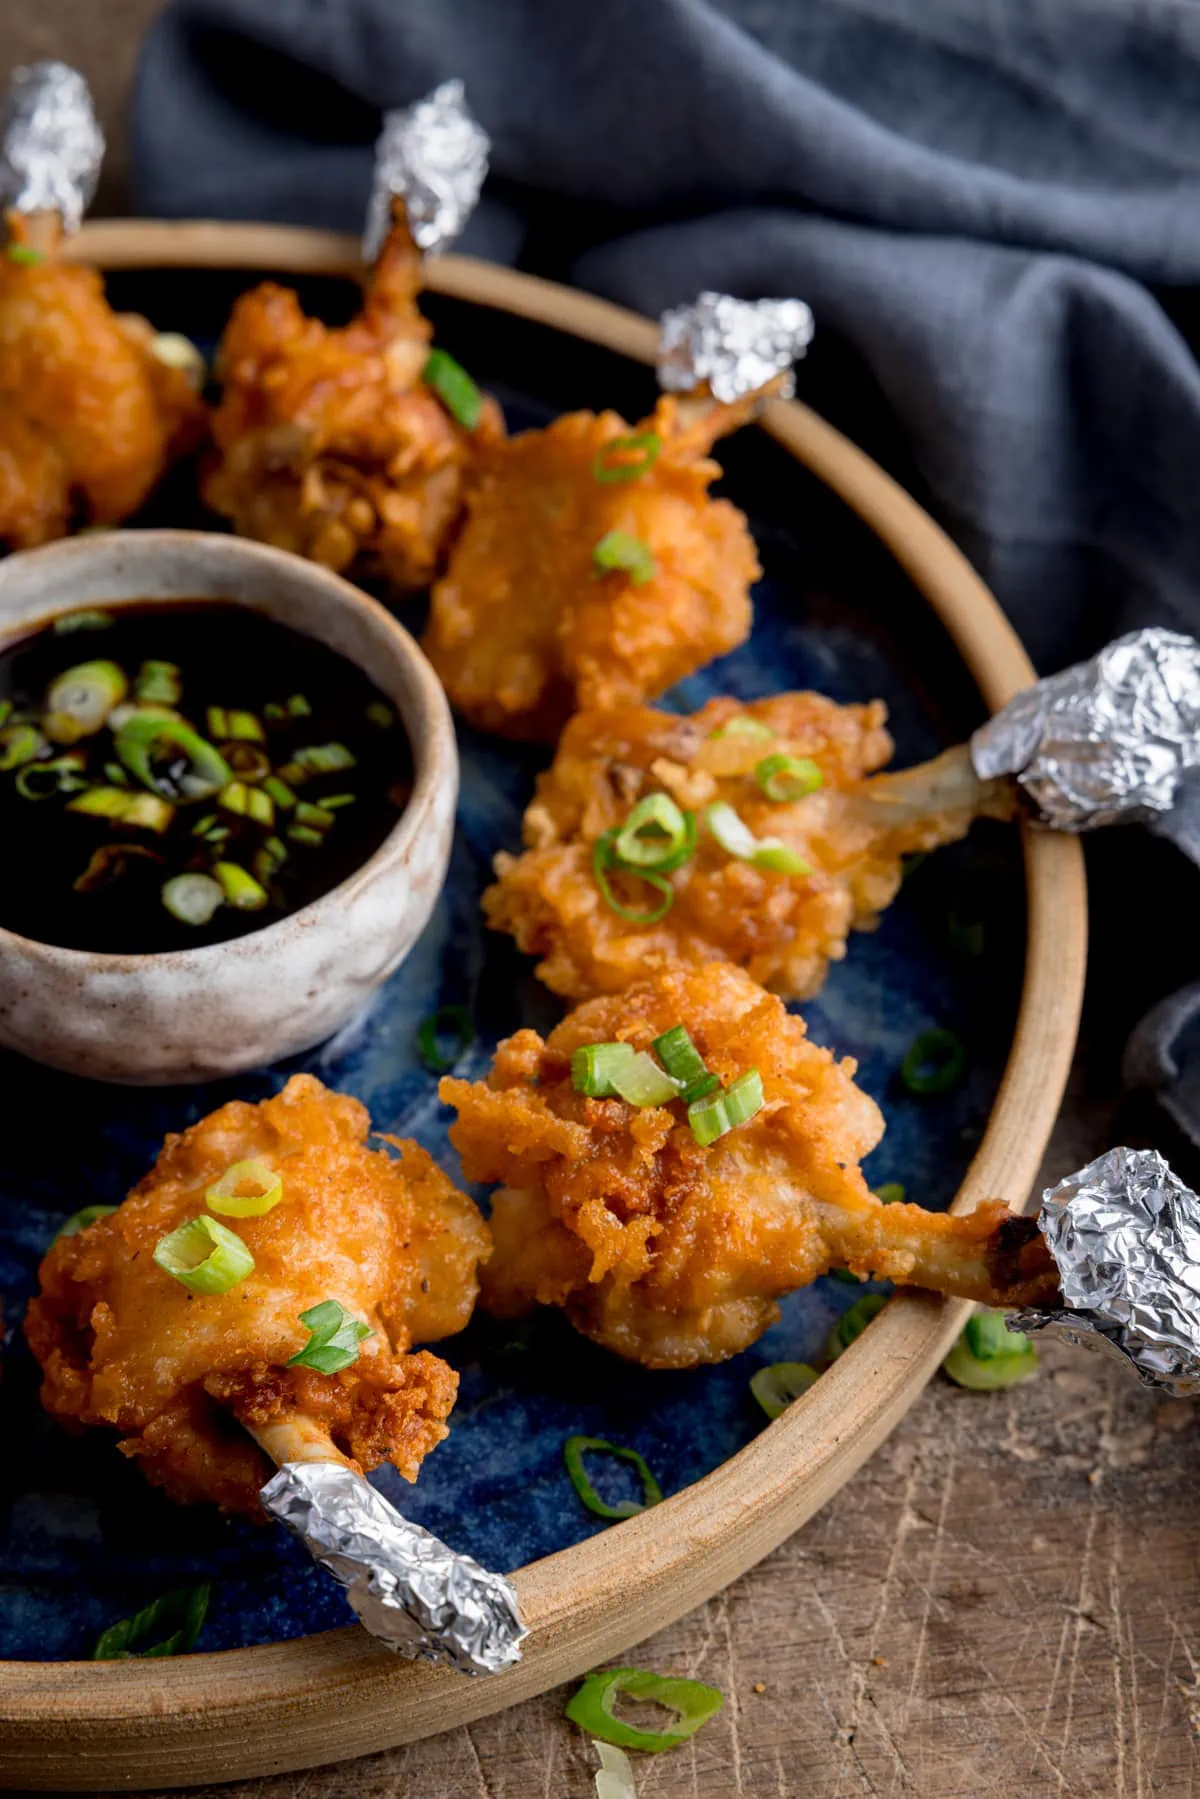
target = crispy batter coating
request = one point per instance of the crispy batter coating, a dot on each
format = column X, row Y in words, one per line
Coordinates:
column 328, row 443
column 90, row 418
column 784, row 929
column 123, row 1343
column 672, row 1254
column 523, row 628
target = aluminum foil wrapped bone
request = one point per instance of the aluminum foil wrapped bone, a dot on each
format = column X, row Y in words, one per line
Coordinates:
column 1125, row 1235
column 733, row 347
column 414, row 1594
column 51, row 147
column 1106, row 741
column 433, row 154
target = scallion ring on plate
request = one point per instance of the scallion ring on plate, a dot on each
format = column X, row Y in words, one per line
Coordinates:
column 852, row 1323
column 621, row 550
column 604, row 863
column 657, row 835
column 79, row 1221
column 777, row 1386
column 206, row 1257
column 737, row 839
column 784, row 778
column 171, row 759
column 229, row 1196
column 626, row 458
column 334, row 1335
column 574, row 1450
column 444, row 1038
column 933, row 1063
column 79, row 701
column 721, row 1112
column 592, row 1707
column 167, row 1626
column 988, row 1357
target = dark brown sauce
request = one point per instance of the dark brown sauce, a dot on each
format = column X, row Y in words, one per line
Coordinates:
column 230, row 658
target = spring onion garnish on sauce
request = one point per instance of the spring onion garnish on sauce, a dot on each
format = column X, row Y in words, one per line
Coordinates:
column 716, row 1114
column 454, row 388
column 743, row 725
column 42, row 780
column 777, row 1386
column 574, row 1450
column 281, row 794
column 657, row 835
column 626, row 458
column 79, row 702
column 79, row 1221
column 240, row 887
column 168, row 1626
column 246, row 1190
column 144, row 811
column 592, row 1707
column 852, row 1323
column 604, row 862
column 192, row 898
column 89, row 618
column 784, row 778
column 19, row 744
column 158, row 684
column 444, row 1038
column 988, row 1357
column 933, row 1063
column 205, row 1256
column 737, row 839
column 171, row 759
column 622, row 550
column 334, row 1337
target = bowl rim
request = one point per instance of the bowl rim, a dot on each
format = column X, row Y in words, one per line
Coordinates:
column 432, row 772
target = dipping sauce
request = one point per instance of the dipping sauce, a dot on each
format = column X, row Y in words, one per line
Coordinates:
column 175, row 775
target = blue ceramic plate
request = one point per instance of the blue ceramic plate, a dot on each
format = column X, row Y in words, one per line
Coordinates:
column 83, row 1541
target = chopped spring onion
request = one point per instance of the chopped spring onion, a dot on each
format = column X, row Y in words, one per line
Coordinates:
column 333, row 802
column 777, row 1386
column 614, row 1777
column 737, row 839
column 317, row 816
column 79, row 1221
column 159, row 684
column 192, row 898
column 852, row 1323
column 6, row 707
column 269, row 859
column 179, row 352
column 784, row 778
column 933, row 1063
column 306, row 835
column 79, row 701
column 454, row 388
column 592, row 1707
column 168, row 1626
column 594, row 1064
column 19, row 744
column 247, row 761
column 240, row 888
column 451, row 1027
column 743, row 725
column 656, row 835
column 891, row 1193
column 205, row 1256
column 120, row 715
column 230, row 724
column 247, row 802
column 216, row 720
column 574, row 1450
column 334, row 1337
column 42, row 780
column 26, row 254
column 681, row 1059
column 323, row 758
column 381, row 716
column 87, row 619
column 622, row 550
column 144, row 811
column 115, row 775
column 603, row 861
column 273, row 712
column 195, row 773
column 280, row 792
column 988, row 1357
column 626, row 458
column 108, row 864
column 298, row 706
column 228, row 1196
column 641, row 1082
column 718, row 1113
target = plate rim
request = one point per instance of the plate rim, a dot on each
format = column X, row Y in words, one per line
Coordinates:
column 240, row 1713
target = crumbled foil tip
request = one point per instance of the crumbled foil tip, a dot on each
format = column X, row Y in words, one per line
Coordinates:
column 434, row 154
column 408, row 1589
column 732, row 346
column 1105, row 741
column 1125, row 1234
column 51, row 147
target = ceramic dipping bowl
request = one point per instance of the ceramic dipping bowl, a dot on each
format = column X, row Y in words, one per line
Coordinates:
column 194, row 1015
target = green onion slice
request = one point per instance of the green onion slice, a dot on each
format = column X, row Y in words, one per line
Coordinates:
column 42, row 780
column 319, row 817
column 192, row 898
column 614, row 1777
column 280, row 792
column 323, row 758
column 451, row 1027
column 622, row 550
column 244, row 727
column 626, row 458
column 574, row 1450
column 306, row 835
column 87, row 619
column 79, row 1221
column 743, row 725
column 641, row 1082
column 298, row 706
column 680, row 1057
column 159, row 684
column 777, row 1386
column 852, row 1323
column 171, row 759
column 454, row 388
column 891, row 1193
column 718, row 1113
column 240, row 888
column 593, row 1066
column 6, row 707
column 168, row 1626
column 381, row 716
column 144, row 811
column 26, row 254
column 592, row 1707
column 19, row 744
column 334, row 802
column 79, row 701
column 269, row 858
column 784, row 778
column 737, row 839
column 205, row 1256
column 334, row 1337
column 603, row 861
column 933, row 1063
column 655, row 836
column 229, row 1198
column 988, row 1357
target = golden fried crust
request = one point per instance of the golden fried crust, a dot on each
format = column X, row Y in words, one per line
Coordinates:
column 524, row 631
column 89, row 418
column 124, row 1344
column 328, row 443
column 783, row 929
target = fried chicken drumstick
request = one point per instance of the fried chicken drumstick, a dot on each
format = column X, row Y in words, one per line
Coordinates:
column 673, row 1251
column 802, row 849
column 189, row 1374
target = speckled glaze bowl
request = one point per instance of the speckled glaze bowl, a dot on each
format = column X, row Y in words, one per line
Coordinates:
column 190, row 1015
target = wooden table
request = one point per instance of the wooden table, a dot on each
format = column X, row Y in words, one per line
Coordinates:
column 1003, row 1603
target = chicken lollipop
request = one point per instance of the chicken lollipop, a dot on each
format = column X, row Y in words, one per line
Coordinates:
column 270, row 1272
column 352, row 446
column 676, row 1159
column 594, row 566
column 94, row 406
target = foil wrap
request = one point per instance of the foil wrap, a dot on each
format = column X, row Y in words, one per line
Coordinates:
column 1125, row 1235
column 1105, row 741
column 732, row 346
column 434, row 154
column 51, row 147
column 407, row 1588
